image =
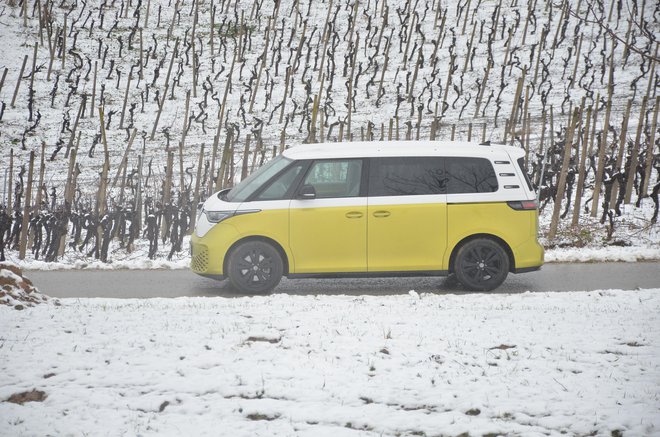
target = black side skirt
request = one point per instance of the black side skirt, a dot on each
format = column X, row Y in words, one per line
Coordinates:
column 416, row 273
column 527, row 269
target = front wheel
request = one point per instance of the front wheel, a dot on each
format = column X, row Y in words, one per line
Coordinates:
column 254, row 267
column 481, row 265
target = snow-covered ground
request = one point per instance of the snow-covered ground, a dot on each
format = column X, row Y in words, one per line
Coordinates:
column 578, row 363
column 138, row 260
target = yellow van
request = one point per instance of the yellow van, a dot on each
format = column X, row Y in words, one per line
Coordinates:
column 373, row 209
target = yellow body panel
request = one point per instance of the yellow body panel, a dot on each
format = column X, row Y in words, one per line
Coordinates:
column 516, row 228
column 343, row 239
column 272, row 224
column 406, row 237
column 328, row 239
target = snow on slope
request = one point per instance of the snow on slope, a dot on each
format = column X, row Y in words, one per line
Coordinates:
column 579, row 363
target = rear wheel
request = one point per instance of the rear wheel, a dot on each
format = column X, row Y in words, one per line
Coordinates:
column 254, row 267
column 481, row 264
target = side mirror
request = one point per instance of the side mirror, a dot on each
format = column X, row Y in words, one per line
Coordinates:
column 307, row 192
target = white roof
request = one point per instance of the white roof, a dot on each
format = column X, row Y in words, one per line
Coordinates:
column 370, row 149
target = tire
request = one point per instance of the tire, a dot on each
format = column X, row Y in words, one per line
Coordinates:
column 254, row 267
column 481, row 265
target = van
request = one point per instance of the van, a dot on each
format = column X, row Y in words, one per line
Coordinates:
column 373, row 209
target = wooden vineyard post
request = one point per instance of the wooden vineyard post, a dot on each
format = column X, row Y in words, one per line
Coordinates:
column 286, row 91
column 75, row 123
column 246, row 155
column 581, row 171
column 542, row 153
column 603, row 141
column 349, row 103
column 66, row 16
column 622, row 151
column 483, row 89
column 514, row 109
column 214, row 153
column 2, row 80
column 26, row 210
column 18, row 82
column 577, row 62
column 138, row 200
column 167, row 85
column 91, row 106
column 649, row 150
column 124, row 160
column 167, row 189
column 123, row 108
column 261, row 68
column 69, row 191
column 527, row 133
column 561, row 185
column 193, row 213
column 184, row 132
column 10, row 183
column 192, row 43
column 632, row 169
column 141, row 53
column 224, row 161
column 34, row 67
column 42, row 169
column 385, row 63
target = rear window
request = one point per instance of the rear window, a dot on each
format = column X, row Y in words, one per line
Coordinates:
column 407, row 176
column 470, row 175
column 521, row 164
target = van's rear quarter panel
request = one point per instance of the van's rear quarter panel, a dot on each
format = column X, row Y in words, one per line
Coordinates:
column 517, row 228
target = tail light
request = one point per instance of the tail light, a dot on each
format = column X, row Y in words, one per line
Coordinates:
column 523, row 205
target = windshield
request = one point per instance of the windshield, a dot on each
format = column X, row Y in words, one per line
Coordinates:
column 253, row 182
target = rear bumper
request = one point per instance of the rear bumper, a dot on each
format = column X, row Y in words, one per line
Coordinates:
column 528, row 256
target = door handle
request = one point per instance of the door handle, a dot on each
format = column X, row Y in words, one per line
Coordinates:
column 353, row 214
column 381, row 213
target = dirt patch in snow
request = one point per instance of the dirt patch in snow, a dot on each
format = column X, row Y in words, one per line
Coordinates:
column 27, row 396
column 16, row 290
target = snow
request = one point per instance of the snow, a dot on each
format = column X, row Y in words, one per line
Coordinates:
column 553, row 363
column 139, row 262
column 610, row 253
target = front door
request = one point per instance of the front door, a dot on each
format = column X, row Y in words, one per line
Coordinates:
column 407, row 214
column 328, row 229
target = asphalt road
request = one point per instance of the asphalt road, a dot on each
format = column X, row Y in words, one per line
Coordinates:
column 176, row 283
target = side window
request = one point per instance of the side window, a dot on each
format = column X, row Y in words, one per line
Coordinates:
column 335, row 178
column 407, row 176
column 280, row 186
column 470, row 175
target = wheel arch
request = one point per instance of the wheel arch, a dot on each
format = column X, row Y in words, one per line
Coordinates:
column 495, row 238
column 267, row 240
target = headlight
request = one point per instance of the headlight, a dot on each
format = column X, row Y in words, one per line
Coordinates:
column 218, row 216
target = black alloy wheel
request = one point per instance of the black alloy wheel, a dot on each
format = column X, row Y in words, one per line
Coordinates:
column 255, row 267
column 481, row 265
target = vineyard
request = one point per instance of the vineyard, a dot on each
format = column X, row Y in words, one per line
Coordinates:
column 118, row 117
